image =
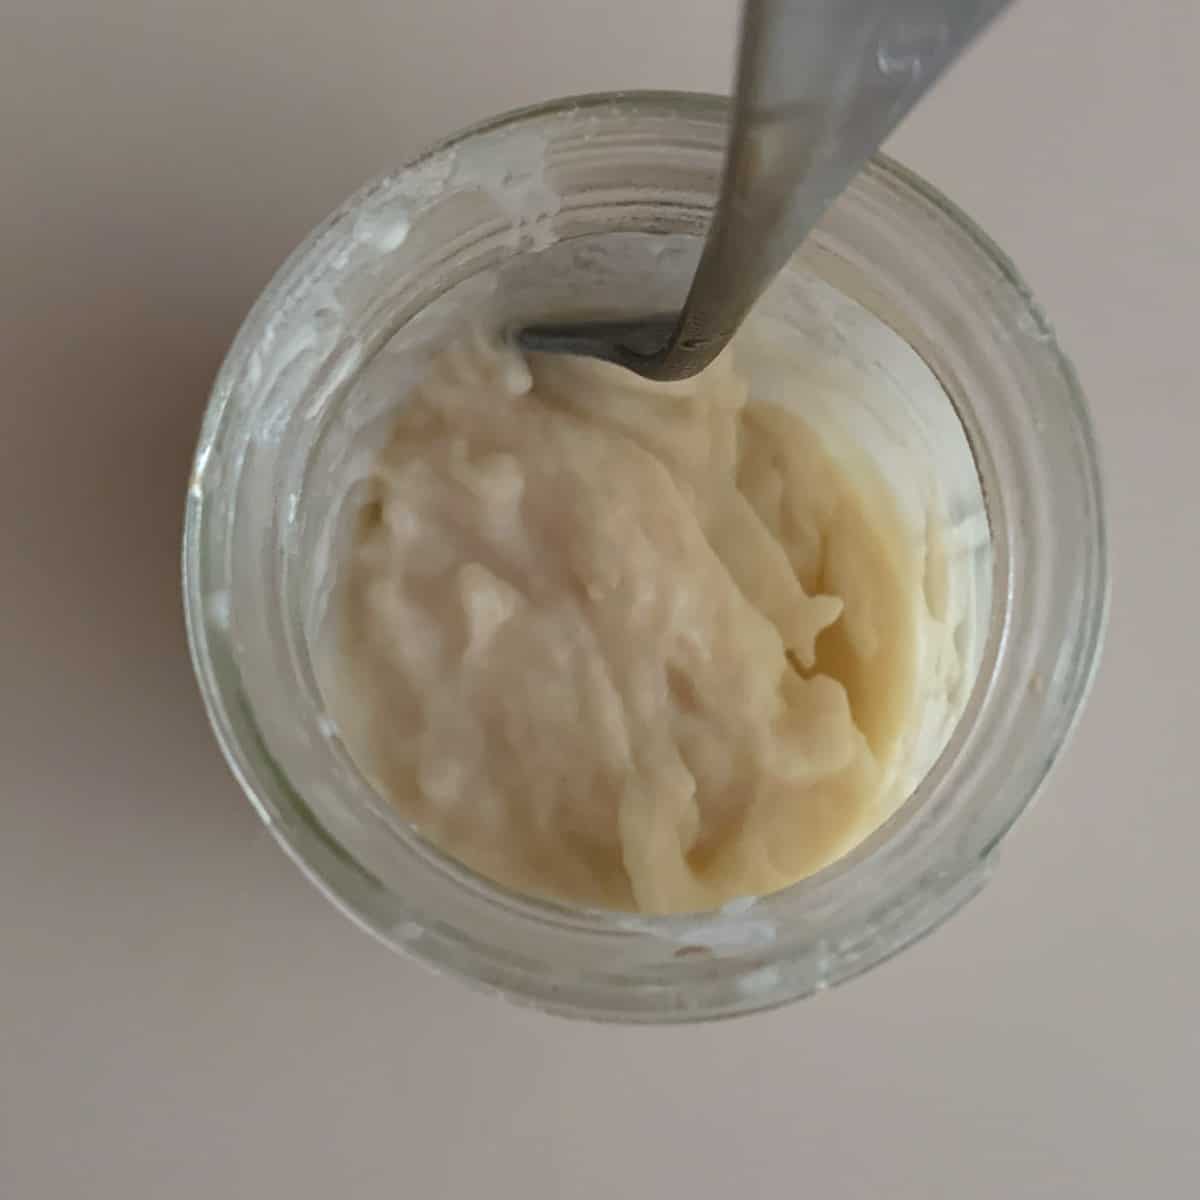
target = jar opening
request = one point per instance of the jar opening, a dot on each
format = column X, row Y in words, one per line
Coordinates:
column 611, row 189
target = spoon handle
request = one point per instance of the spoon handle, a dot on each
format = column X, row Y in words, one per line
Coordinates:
column 820, row 85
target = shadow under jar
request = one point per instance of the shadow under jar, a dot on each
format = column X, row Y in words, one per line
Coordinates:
column 595, row 206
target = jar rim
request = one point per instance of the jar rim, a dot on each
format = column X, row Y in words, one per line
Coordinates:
column 973, row 865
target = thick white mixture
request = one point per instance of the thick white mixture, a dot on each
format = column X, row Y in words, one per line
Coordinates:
column 644, row 646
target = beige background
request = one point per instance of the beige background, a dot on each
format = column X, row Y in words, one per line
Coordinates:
column 182, row 1016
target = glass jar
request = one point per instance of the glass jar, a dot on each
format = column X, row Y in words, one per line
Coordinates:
column 595, row 205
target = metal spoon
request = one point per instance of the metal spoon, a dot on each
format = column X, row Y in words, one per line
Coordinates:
column 820, row 85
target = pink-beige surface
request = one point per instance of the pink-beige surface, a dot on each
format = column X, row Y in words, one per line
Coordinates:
column 181, row 1015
